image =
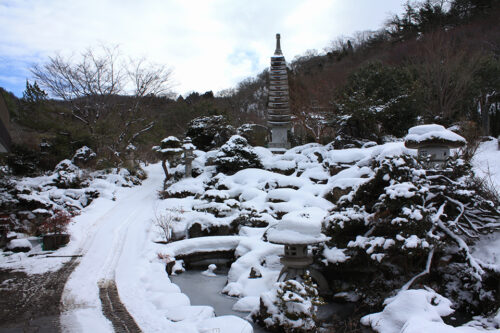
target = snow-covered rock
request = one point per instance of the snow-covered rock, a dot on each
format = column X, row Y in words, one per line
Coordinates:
column 414, row 311
column 19, row 245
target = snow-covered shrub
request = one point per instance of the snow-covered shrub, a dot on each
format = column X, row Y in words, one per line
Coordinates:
column 346, row 142
column 236, row 155
column 83, row 156
column 68, row 175
column 290, row 307
column 255, row 134
column 19, row 245
column 409, row 310
column 250, row 218
column 407, row 225
column 164, row 222
column 209, row 132
column 170, row 149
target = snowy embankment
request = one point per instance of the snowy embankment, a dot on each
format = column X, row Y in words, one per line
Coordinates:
column 46, row 194
column 117, row 245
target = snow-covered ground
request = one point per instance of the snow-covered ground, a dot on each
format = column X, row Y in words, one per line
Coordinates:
column 486, row 163
column 117, row 245
column 116, row 236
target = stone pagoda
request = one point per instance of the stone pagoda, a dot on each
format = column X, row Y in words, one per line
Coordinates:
column 278, row 110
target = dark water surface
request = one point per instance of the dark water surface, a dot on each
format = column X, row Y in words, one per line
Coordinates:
column 207, row 290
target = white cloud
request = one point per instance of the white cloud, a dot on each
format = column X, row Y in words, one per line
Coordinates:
column 200, row 40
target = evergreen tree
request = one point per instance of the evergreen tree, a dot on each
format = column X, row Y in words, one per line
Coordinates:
column 33, row 93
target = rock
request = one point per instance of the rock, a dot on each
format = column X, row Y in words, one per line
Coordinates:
column 254, row 273
column 337, row 193
column 210, row 270
column 336, row 168
column 169, row 266
column 195, row 230
column 53, row 242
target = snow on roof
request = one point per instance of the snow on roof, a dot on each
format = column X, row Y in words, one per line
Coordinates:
column 171, row 150
column 422, row 135
column 299, row 227
column 170, row 139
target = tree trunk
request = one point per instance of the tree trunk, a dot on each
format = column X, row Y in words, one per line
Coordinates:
column 485, row 115
column 165, row 169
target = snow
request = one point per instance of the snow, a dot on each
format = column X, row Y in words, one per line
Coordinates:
column 225, row 324
column 170, row 139
column 414, row 311
column 116, row 234
column 188, row 146
column 401, row 190
column 334, row 255
column 19, row 243
column 246, row 304
column 486, row 163
column 117, row 245
column 210, row 270
column 488, row 251
column 299, row 227
column 423, row 134
column 370, row 244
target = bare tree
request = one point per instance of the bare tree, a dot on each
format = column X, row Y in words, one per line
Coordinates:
column 103, row 87
column 150, row 79
column 447, row 70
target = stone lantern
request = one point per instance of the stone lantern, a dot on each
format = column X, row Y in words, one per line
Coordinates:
column 433, row 142
column 188, row 149
column 296, row 233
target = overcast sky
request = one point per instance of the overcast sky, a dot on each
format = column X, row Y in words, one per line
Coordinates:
column 209, row 44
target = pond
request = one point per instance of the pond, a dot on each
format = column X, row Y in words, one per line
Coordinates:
column 207, row 290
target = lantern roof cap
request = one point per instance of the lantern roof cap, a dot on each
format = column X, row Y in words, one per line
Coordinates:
column 433, row 135
column 298, row 228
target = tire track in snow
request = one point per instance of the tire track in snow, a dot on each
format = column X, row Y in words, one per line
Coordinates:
column 112, row 307
column 114, row 310
column 108, row 232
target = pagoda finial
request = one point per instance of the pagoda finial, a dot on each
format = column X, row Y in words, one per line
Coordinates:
column 278, row 45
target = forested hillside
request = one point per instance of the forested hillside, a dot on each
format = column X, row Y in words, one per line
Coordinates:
column 436, row 62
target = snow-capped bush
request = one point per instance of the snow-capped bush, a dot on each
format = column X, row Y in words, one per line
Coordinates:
column 209, row 132
column 411, row 308
column 255, row 134
column 83, row 156
column 170, row 149
column 236, row 155
column 68, row 175
column 407, row 225
column 290, row 306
